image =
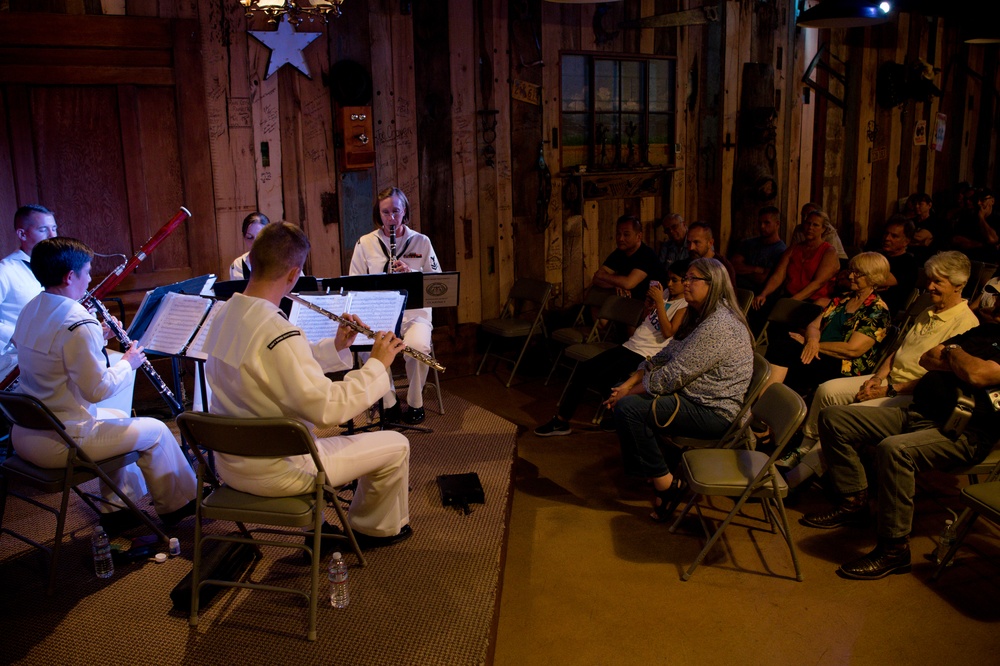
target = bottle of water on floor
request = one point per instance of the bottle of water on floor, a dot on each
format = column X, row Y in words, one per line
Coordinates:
column 339, row 596
column 947, row 539
column 104, row 567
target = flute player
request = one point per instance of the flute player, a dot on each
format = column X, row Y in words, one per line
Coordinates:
column 260, row 365
column 395, row 248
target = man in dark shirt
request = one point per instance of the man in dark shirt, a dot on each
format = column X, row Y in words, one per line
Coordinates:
column 976, row 232
column 756, row 257
column 701, row 245
column 903, row 266
column 908, row 440
column 630, row 267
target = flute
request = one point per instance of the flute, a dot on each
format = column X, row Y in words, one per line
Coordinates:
column 364, row 330
column 392, row 247
column 175, row 405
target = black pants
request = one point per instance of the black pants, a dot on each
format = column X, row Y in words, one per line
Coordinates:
column 601, row 373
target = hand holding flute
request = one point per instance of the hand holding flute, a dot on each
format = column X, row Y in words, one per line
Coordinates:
column 385, row 349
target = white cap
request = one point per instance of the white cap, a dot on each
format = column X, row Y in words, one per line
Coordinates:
column 160, row 558
column 337, row 555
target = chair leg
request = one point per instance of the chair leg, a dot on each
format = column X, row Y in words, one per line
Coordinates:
column 552, row 370
column 520, row 356
column 60, row 527
column 965, row 521
column 715, row 537
column 314, row 564
column 348, row 532
column 786, row 532
column 486, row 355
column 196, row 564
column 569, row 381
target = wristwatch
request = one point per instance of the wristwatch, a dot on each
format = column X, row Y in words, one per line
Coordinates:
column 890, row 390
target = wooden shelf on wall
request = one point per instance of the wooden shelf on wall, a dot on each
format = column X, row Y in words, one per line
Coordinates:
column 622, row 183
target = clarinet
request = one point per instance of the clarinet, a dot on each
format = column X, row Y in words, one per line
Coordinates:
column 392, row 247
column 175, row 406
column 364, row 330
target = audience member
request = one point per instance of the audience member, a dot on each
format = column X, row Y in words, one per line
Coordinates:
column 829, row 232
column 61, row 356
column 693, row 387
column 259, row 365
column 612, row 366
column 757, row 257
column 252, row 224
column 674, row 246
column 929, row 229
column 907, row 440
column 32, row 224
column 632, row 265
column 987, row 304
column 975, row 233
column 701, row 245
column 895, row 378
column 903, row 266
column 841, row 341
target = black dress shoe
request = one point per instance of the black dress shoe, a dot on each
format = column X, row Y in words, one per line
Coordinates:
column 852, row 511
column 392, row 414
column 414, row 415
column 881, row 562
column 326, row 546
column 174, row 517
column 116, row 522
column 366, row 542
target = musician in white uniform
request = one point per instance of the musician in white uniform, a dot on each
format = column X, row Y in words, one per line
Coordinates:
column 260, row 365
column 61, row 356
column 32, row 224
column 252, row 224
column 414, row 252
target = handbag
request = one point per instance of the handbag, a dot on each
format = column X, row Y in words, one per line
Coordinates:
column 673, row 415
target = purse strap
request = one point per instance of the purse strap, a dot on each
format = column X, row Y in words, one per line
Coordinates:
column 677, row 408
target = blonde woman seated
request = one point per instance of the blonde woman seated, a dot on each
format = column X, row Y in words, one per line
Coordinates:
column 841, row 341
column 894, row 379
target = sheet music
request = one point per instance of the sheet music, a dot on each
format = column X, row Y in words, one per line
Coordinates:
column 313, row 324
column 378, row 310
column 195, row 349
column 175, row 323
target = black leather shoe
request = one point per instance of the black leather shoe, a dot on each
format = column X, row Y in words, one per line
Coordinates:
column 414, row 415
column 881, row 562
column 368, row 542
column 326, row 546
column 392, row 414
column 116, row 522
column 853, row 511
column 174, row 517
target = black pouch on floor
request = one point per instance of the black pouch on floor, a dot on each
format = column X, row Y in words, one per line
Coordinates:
column 220, row 561
column 461, row 490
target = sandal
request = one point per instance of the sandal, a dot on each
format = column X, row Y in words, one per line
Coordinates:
column 665, row 501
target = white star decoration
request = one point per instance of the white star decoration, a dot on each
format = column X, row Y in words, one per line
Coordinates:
column 286, row 47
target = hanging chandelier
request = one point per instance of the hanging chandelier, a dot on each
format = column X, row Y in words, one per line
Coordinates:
column 294, row 10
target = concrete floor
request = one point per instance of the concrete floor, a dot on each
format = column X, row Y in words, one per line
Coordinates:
column 590, row 579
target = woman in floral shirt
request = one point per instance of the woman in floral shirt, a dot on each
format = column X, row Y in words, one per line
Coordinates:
column 843, row 340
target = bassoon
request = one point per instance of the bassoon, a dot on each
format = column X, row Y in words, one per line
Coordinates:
column 115, row 277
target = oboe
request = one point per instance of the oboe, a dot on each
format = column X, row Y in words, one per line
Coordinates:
column 392, row 248
column 364, row 330
column 175, row 406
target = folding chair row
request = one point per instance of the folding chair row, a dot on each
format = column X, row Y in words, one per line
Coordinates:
column 509, row 325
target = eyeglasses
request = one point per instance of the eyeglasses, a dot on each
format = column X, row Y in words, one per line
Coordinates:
column 688, row 279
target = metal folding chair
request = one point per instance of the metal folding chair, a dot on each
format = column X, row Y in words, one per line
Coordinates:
column 510, row 326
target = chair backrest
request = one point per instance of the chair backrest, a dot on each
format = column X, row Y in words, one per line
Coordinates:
column 250, row 437
column 526, row 289
column 783, row 411
column 625, row 311
column 28, row 412
column 761, row 373
column 744, row 297
column 794, row 314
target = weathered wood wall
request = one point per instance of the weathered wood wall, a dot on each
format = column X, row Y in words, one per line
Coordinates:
column 237, row 141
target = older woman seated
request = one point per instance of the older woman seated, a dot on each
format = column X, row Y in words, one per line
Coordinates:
column 841, row 341
column 894, row 379
column 693, row 387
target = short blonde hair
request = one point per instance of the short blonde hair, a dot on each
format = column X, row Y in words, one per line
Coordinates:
column 872, row 265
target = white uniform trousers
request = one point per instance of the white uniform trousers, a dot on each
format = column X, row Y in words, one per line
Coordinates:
column 166, row 471
column 416, row 334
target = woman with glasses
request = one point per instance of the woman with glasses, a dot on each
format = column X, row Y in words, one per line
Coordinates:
column 841, row 341
column 395, row 248
column 693, row 387
column 895, row 378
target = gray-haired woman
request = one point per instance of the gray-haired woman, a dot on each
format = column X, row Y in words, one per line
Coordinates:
column 693, row 387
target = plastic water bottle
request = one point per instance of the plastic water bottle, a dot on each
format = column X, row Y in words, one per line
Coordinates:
column 339, row 596
column 947, row 540
column 104, row 567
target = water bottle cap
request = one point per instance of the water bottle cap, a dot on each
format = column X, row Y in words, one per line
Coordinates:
column 98, row 529
column 337, row 555
column 949, row 522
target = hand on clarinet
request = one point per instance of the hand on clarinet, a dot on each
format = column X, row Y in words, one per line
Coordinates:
column 106, row 328
column 135, row 355
column 387, row 346
column 400, row 267
column 345, row 334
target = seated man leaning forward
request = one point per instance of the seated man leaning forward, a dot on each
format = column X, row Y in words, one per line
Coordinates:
column 629, row 268
column 60, row 349
column 907, row 440
column 259, row 365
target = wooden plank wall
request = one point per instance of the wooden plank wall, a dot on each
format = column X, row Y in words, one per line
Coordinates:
column 429, row 135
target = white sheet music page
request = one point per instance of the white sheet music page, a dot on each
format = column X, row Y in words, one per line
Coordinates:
column 197, row 346
column 175, row 323
column 378, row 310
column 313, row 324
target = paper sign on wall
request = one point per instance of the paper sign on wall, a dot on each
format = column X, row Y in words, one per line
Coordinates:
column 920, row 133
column 939, row 126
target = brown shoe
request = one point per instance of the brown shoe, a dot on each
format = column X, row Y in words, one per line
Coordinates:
column 885, row 560
column 851, row 511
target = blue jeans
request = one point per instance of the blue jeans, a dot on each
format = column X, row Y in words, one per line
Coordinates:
column 641, row 452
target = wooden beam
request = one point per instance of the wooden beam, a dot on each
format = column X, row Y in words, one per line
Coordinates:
column 65, row 31
column 552, row 31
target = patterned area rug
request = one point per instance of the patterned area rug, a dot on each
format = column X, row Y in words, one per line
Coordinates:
column 428, row 600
